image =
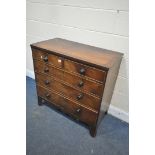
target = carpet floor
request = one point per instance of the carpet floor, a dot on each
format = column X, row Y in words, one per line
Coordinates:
column 50, row 133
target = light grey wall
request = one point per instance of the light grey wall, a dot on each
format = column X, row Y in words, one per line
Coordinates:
column 101, row 23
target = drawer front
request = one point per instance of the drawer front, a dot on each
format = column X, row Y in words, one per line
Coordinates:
column 84, row 84
column 90, row 72
column 56, row 99
column 68, row 91
column 81, row 98
column 47, row 69
column 49, row 83
column 47, row 58
column 78, row 112
column 39, row 55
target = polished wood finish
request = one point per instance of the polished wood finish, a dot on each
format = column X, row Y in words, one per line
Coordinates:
column 45, row 68
column 64, row 89
column 80, row 82
column 48, row 58
column 75, row 78
column 86, row 53
column 76, row 110
column 84, row 70
column 84, row 84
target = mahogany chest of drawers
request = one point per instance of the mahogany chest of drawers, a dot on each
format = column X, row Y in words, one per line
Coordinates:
column 76, row 79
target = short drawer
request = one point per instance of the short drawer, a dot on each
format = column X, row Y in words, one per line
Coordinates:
column 47, row 58
column 41, row 67
column 78, row 112
column 39, row 55
column 89, row 86
column 85, row 70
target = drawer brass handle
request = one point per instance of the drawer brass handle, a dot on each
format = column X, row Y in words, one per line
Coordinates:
column 80, row 96
column 47, row 82
column 81, row 83
column 46, row 70
column 82, row 71
column 45, row 58
column 47, row 95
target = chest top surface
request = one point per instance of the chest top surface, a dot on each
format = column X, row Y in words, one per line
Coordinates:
column 87, row 53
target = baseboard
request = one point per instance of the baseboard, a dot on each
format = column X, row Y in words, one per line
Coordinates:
column 116, row 112
column 30, row 73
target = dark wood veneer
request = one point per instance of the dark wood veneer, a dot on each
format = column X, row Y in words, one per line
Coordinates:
column 84, row 70
column 77, row 79
column 64, row 89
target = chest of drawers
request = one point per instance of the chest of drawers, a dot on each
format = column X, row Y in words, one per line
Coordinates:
column 76, row 79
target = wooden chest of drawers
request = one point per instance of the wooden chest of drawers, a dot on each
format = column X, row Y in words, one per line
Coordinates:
column 76, row 79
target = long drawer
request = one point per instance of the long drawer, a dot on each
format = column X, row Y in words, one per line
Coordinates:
column 79, row 96
column 68, row 106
